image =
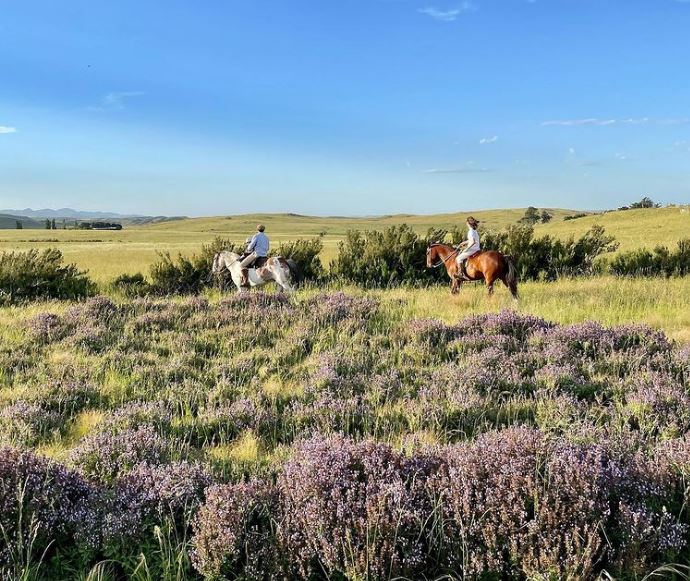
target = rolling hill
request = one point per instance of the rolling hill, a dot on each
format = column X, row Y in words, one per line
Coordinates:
column 108, row 254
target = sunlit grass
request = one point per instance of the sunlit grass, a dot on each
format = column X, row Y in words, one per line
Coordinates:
column 660, row 303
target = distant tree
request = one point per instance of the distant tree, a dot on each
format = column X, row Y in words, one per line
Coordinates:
column 19, row 225
column 545, row 217
column 645, row 202
column 47, row 224
column 531, row 216
column 52, row 225
column 64, row 224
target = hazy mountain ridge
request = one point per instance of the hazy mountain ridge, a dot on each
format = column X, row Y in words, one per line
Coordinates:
column 66, row 213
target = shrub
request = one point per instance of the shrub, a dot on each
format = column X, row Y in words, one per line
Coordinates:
column 105, row 456
column 186, row 275
column 660, row 261
column 43, row 506
column 396, row 255
column 353, row 510
column 234, row 533
column 132, row 285
column 148, row 496
column 40, row 275
column 548, row 257
column 306, row 254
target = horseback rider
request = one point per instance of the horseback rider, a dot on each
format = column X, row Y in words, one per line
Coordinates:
column 255, row 254
column 471, row 246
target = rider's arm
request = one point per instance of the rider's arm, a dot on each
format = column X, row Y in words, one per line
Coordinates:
column 252, row 244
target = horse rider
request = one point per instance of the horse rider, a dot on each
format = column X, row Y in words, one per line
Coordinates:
column 470, row 246
column 255, row 254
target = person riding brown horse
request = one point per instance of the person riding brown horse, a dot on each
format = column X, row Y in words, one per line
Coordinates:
column 487, row 265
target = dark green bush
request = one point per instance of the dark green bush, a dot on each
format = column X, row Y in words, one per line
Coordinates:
column 190, row 275
column 132, row 285
column 396, row 255
column 40, row 275
column 660, row 261
column 187, row 275
column 547, row 257
column 306, row 254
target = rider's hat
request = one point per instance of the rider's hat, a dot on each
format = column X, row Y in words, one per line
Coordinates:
column 472, row 222
column 261, row 227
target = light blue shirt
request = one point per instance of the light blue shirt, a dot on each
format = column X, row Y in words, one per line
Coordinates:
column 259, row 244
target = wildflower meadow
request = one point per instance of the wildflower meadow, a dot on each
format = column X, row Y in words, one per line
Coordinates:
column 330, row 435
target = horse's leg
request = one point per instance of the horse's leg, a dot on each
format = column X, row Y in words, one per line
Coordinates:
column 454, row 285
column 490, row 284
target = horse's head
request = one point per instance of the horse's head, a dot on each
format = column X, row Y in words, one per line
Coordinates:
column 431, row 255
column 217, row 264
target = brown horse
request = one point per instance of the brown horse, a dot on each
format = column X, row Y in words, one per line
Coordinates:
column 486, row 265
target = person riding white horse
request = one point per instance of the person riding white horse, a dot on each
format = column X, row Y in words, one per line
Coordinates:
column 256, row 253
column 470, row 246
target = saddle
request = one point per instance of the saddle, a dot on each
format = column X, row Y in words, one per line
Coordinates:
column 463, row 264
column 258, row 263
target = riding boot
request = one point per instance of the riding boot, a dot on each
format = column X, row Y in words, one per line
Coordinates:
column 244, row 277
column 461, row 270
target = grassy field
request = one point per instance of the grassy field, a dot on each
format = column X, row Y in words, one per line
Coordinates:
column 632, row 228
column 106, row 254
column 135, row 407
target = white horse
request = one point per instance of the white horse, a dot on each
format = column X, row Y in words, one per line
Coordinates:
column 277, row 268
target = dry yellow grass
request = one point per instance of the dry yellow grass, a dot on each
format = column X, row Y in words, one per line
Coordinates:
column 632, row 228
column 107, row 254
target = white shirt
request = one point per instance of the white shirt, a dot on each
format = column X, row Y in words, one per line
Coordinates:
column 473, row 240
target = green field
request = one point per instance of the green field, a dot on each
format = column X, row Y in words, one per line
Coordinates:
column 632, row 228
column 106, row 254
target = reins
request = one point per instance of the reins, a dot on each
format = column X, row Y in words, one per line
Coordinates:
column 443, row 260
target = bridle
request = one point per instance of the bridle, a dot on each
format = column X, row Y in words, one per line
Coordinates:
column 443, row 261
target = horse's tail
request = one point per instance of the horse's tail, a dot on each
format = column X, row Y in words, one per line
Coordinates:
column 511, row 278
column 295, row 271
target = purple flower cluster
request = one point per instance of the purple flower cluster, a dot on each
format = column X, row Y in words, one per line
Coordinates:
column 43, row 504
column 149, row 496
column 333, row 308
column 47, row 327
column 27, row 423
column 105, row 456
column 511, row 504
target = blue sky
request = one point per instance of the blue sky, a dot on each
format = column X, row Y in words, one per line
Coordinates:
column 343, row 106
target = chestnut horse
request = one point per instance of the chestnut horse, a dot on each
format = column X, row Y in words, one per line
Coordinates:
column 486, row 265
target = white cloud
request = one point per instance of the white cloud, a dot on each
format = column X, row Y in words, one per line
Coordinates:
column 115, row 100
column 595, row 121
column 5, row 129
column 487, row 140
column 622, row 156
column 467, row 167
column 448, row 15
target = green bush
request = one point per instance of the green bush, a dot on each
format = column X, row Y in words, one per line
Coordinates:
column 394, row 256
column 660, row 261
column 190, row 275
column 306, row 254
column 40, row 275
column 187, row 275
column 132, row 285
column 547, row 257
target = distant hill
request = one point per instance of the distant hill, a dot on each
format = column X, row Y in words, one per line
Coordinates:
column 66, row 213
column 32, row 219
column 8, row 221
